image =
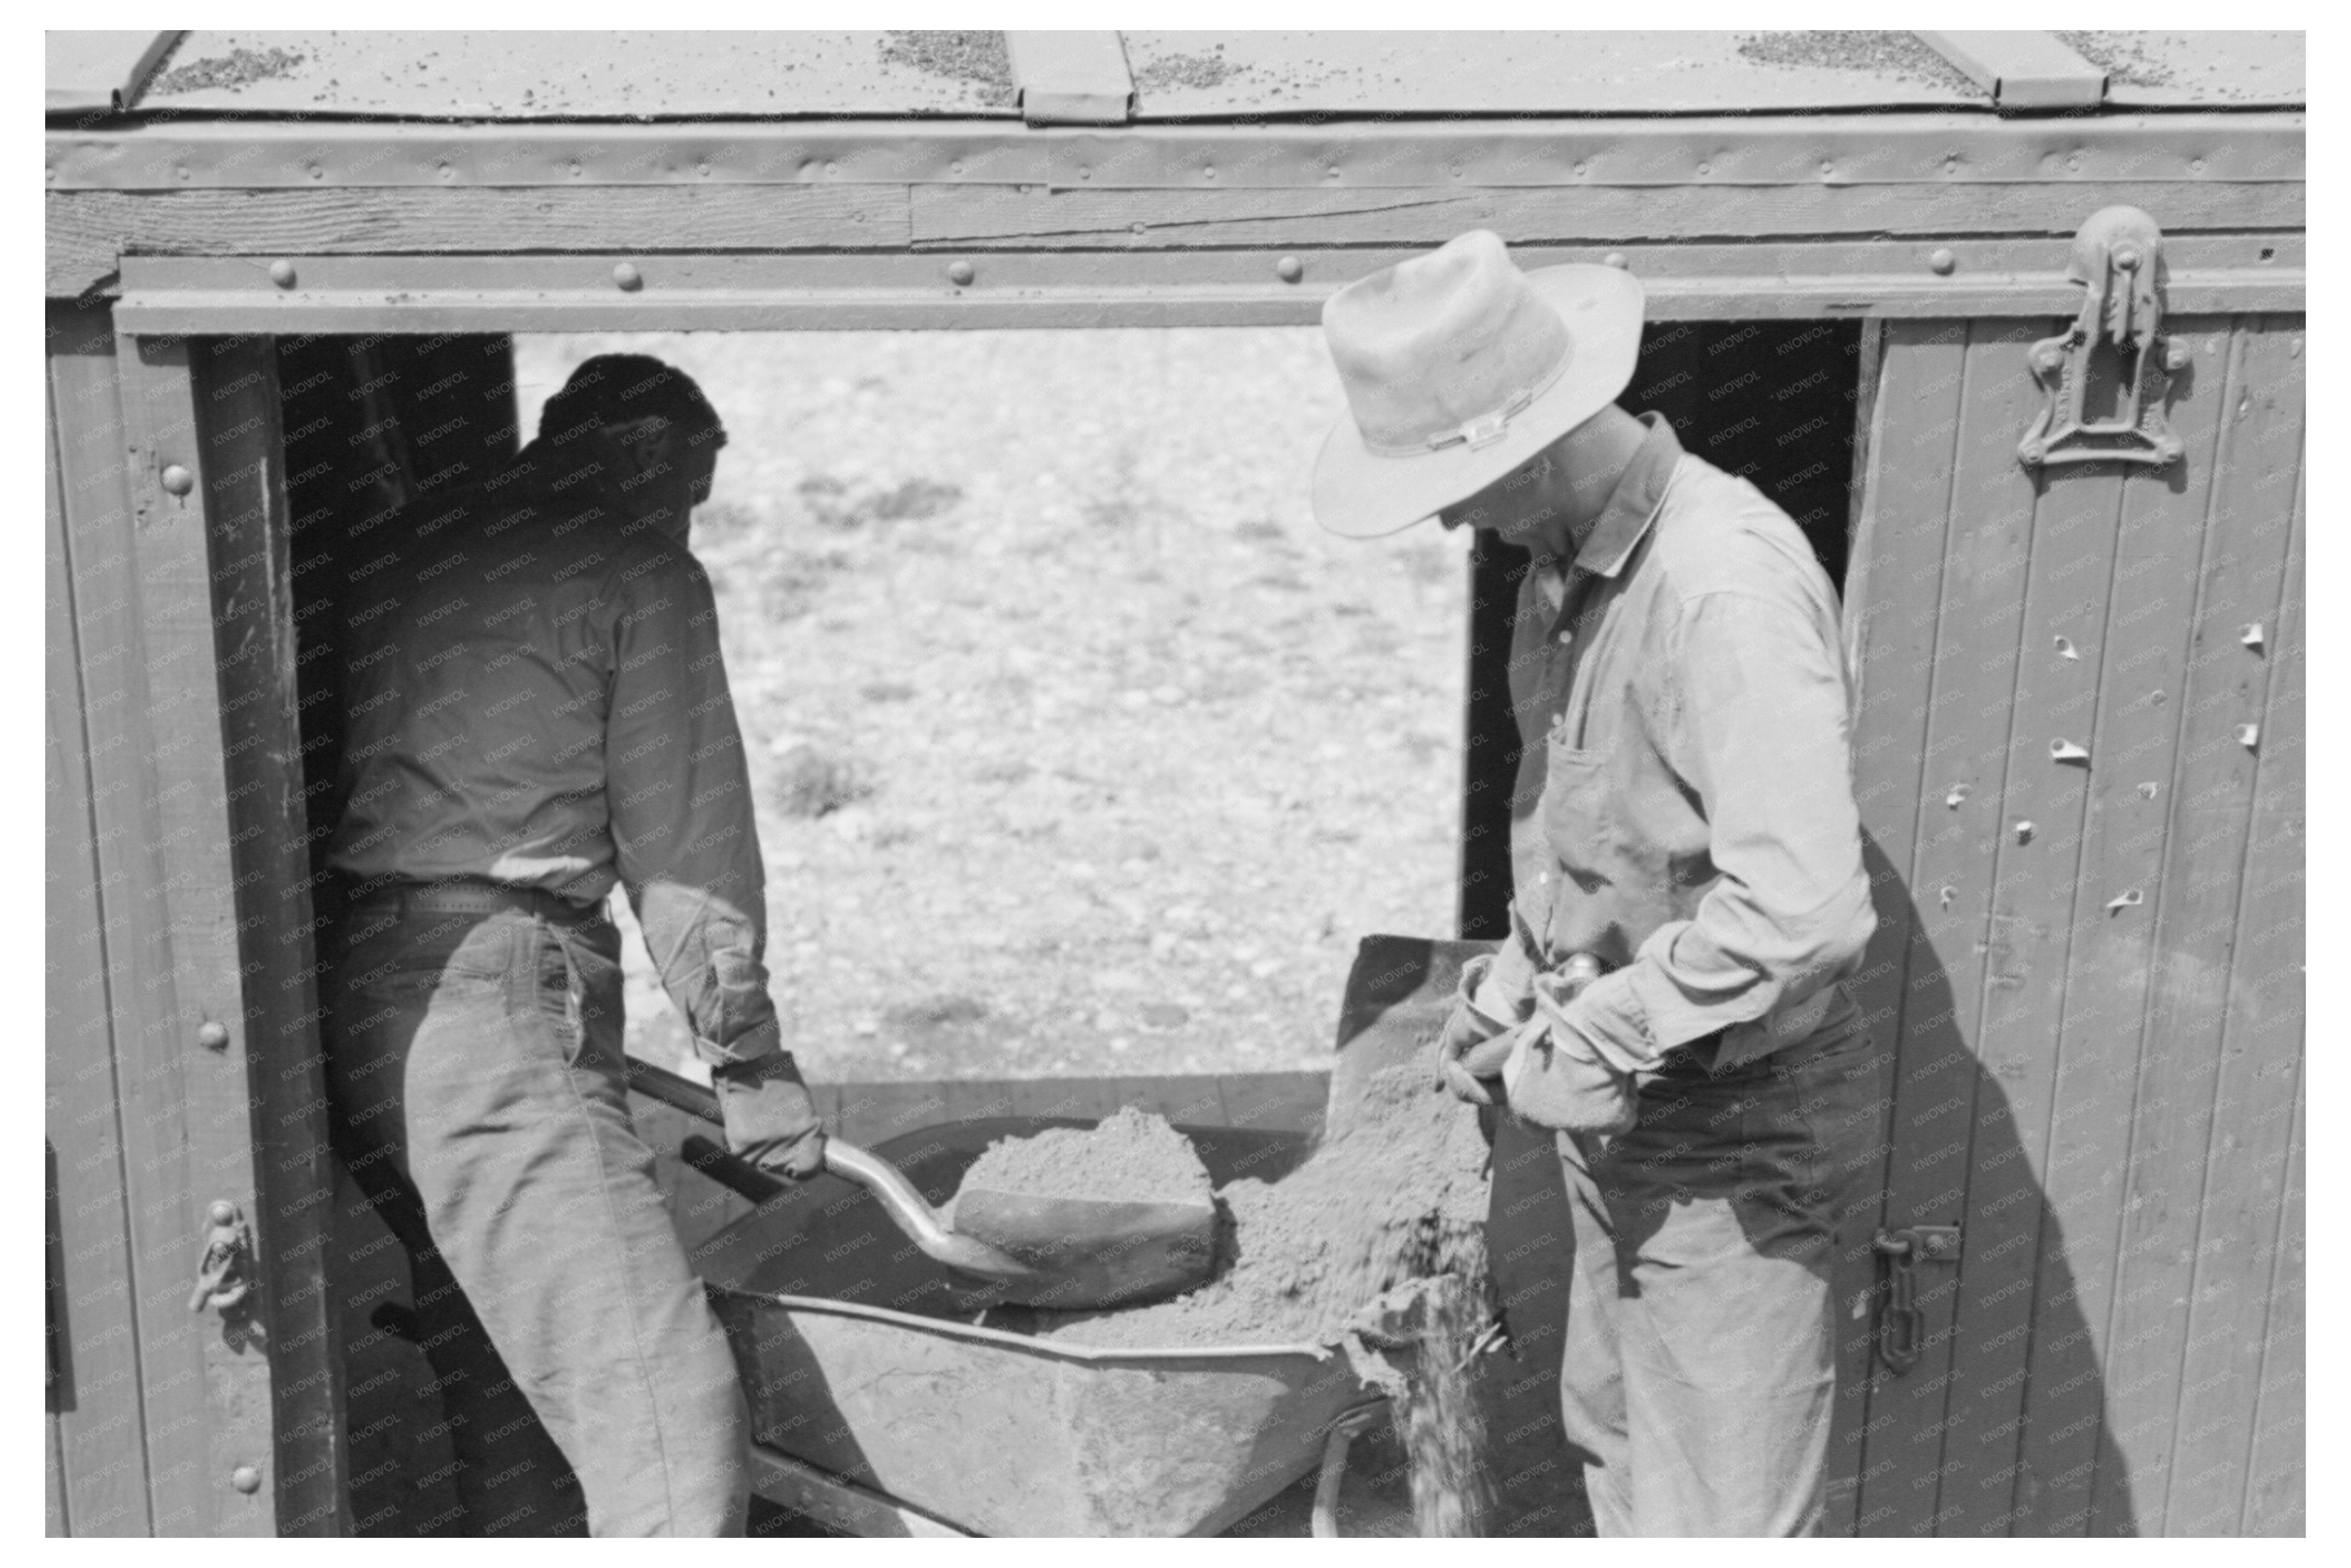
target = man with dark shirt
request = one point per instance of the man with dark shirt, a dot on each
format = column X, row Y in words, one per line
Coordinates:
column 537, row 710
column 1684, row 824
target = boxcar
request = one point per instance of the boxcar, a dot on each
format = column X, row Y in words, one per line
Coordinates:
column 2011, row 323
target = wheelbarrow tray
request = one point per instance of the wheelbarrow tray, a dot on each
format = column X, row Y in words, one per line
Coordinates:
column 994, row 1431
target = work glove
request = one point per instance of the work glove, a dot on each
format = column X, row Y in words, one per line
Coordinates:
column 1492, row 997
column 769, row 1118
column 1567, row 1074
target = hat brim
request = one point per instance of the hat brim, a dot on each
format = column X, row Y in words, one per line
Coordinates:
column 1359, row 494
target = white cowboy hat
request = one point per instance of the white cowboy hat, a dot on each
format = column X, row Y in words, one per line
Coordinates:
column 1459, row 368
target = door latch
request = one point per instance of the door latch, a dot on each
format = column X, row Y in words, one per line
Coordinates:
column 1901, row 1324
column 224, row 1270
column 2099, row 377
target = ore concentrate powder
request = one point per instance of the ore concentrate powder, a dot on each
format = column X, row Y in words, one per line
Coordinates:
column 1131, row 1157
column 1395, row 1194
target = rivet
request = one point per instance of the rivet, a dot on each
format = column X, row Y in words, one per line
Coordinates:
column 1290, row 269
column 222, row 1212
column 1706, row 167
column 1958, row 793
column 213, row 1035
column 955, row 167
column 2196, row 165
column 1941, row 259
column 703, row 170
column 1210, row 173
column 2066, row 751
column 2149, row 791
column 246, row 1478
column 317, row 172
column 1578, row 166
column 1827, row 167
column 626, row 277
column 960, row 272
column 2065, row 649
column 1138, row 229
column 1616, row 258
column 2249, row 735
column 1085, row 172
column 2250, row 636
column 832, row 168
column 2023, row 833
column 2177, row 353
column 177, row 479
column 2047, row 359
column 1950, row 166
column 281, row 273
column 1331, row 172
column 2122, row 900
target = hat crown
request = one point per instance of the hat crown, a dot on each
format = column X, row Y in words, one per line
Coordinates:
column 1443, row 347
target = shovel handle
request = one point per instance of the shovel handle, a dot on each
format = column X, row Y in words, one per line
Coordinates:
column 898, row 1197
column 1487, row 1058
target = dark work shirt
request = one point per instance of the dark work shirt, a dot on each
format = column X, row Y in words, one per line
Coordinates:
column 535, row 695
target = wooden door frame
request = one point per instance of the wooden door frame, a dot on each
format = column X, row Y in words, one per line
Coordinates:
column 175, row 561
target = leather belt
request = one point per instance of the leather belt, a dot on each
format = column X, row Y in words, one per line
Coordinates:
column 477, row 895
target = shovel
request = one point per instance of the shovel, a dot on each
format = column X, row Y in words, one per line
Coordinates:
column 1067, row 1254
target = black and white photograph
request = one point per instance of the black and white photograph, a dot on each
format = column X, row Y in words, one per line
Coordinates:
column 1406, row 776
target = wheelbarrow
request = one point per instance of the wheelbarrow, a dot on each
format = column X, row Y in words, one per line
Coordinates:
column 882, row 1401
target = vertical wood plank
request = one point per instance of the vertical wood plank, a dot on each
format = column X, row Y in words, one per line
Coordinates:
column 161, row 1170
column 54, row 1521
column 1892, row 590
column 166, row 884
column 98, row 1437
column 2130, row 1227
column 1992, row 549
column 2273, row 1503
column 2070, row 1050
column 235, row 382
column 2018, row 988
column 2250, row 1158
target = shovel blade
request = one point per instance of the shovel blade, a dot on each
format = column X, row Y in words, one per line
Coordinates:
column 1088, row 1254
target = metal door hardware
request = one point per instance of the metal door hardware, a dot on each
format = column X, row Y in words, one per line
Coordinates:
column 224, row 1271
column 2114, row 346
column 1901, row 1328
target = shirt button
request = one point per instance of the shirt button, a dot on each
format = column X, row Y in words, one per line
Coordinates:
column 1565, row 638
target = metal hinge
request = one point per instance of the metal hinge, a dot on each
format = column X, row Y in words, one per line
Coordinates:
column 2099, row 377
column 1901, row 1326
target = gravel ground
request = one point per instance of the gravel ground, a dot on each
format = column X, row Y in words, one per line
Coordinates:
column 1079, row 750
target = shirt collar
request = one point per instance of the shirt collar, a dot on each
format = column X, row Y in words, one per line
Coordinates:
column 1633, row 505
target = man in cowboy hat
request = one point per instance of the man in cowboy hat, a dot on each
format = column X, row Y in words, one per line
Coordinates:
column 1684, row 815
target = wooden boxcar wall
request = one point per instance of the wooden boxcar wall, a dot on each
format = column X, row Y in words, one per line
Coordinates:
column 2089, row 969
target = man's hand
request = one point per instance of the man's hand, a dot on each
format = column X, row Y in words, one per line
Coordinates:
column 1477, row 1018
column 771, row 1120
column 1565, row 1072
column 1556, row 1079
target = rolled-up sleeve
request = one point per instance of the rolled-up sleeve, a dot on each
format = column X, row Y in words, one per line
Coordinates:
column 683, row 824
column 1758, row 728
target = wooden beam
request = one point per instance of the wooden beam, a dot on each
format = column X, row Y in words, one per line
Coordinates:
column 238, row 430
column 88, row 229
column 983, row 216
column 1071, row 78
column 2024, row 72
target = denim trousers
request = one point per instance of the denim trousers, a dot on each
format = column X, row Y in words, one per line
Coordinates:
column 475, row 1067
column 1699, row 1369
